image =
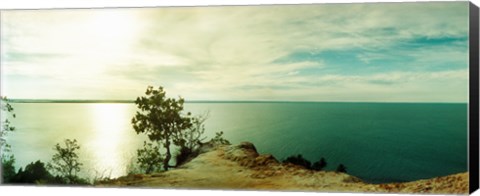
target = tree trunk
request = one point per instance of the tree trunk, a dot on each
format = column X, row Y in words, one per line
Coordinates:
column 168, row 156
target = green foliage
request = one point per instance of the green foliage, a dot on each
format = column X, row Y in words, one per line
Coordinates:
column 192, row 137
column 161, row 119
column 319, row 165
column 6, row 111
column 7, row 161
column 218, row 139
column 341, row 168
column 132, row 166
column 149, row 158
column 298, row 160
column 37, row 173
column 34, row 173
column 65, row 161
column 8, row 168
column 190, row 140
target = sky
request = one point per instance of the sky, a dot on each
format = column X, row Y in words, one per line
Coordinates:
column 375, row 52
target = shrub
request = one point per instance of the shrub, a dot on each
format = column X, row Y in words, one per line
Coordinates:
column 218, row 139
column 341, row 168
column 319, row 165
column 34, row 173
column 192, row 137
column 298, row 160
column 8, row 169
column 149, row 158
column 65, row 162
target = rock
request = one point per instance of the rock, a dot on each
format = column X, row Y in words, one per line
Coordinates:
column 247, row 146
column 264, row 160
column 351, row 179
column 244, row 152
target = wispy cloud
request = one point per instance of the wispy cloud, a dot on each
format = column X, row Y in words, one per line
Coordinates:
column 330, row 52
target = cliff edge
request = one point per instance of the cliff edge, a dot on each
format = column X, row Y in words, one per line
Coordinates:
column 240, row 167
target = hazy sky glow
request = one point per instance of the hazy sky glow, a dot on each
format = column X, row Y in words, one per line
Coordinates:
column 400, row 52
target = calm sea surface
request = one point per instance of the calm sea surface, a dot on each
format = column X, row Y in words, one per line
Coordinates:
column 378, row 142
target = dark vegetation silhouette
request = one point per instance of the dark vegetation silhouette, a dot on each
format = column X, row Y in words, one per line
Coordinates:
column 65, row 162
column 341, row 168
column 35, row 173
column 185, row 154
column 62, row 170
column 298, row 160
column 218, row 139
column 8, row 169
column 7, row 159
column 317, row 166
column 190, row 140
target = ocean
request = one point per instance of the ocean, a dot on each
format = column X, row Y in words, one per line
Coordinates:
column 377, row 142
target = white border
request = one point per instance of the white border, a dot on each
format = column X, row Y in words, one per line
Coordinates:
column 38, row 4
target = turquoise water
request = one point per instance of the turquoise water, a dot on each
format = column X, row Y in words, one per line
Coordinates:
column 378, row 142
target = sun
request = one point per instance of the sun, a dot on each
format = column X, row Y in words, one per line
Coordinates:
column 113, row 32
column 113, row 25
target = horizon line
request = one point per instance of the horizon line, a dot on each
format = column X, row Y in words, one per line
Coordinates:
column 208, row 101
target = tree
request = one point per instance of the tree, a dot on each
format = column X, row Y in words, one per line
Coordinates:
column 65, row 161
column 8, row 168
column 341, row 168
column 148, row 157
column 7, row 161
column 319, row 165
column 34, row 173
column 5, row 109
column 161, row 119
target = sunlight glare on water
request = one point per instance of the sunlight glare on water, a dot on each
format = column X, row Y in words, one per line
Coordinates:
column 109, row 136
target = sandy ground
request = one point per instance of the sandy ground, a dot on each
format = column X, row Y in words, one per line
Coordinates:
column 241, row 167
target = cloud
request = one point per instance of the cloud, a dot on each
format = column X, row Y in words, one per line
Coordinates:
column 352, row 51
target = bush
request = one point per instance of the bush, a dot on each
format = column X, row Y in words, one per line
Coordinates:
column 192, row 137
column 8, row 169
column 298, row 160
column 149, row 158
column 34, row 173
column 319, row 165
column 218, row 139
column 341, row 168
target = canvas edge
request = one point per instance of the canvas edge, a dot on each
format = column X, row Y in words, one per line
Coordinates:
column 474, row 98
